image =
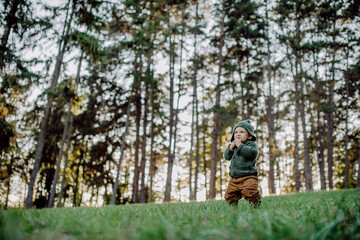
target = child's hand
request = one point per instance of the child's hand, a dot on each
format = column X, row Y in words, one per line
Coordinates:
column 237, row 142
column 232, row 145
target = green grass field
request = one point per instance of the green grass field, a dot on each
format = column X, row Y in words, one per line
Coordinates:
column 314, row 215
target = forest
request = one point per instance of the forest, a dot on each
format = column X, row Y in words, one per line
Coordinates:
column 131, row 101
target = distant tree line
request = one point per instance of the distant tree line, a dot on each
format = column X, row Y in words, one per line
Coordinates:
column 133, row 101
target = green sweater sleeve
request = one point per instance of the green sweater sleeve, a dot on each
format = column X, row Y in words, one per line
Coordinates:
column 228, row 153
column 248, row 151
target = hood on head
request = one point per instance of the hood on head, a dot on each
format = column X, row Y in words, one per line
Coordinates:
column 247, row 125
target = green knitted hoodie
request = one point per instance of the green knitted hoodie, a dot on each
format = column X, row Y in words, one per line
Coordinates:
column 243, row 158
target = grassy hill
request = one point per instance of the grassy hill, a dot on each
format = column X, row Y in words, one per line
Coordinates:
column 314, row 215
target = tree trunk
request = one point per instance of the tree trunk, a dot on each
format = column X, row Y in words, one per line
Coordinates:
column 347, row 128
column 271, row 142
column 135, row 196
column 57, row 171
column 358, row 175
column 220, row 165
column 316, row 137
column 92, row 196
column 296, row 141
column 204, row 145
column 196, row 107
column 76, row 189
column 191, row 149
column 299, row 79
column 71, row 116
column 167, row 197
column 321, row 130
column 8, row 183
column 44, row 124
column 330, row 118
column 216, row 115
column 296, row 122
column 152, row 160
column 318, row 133
column 330, row 124
column 143, row 149
column 56, row 175
column 242, row 94
column 246, row 98
column 10, row 20
column 307, row 163
column 316, row 144
column 270, row 120
column 66, row 161
column 180, row 82
column 197, row 153
column 116, row 183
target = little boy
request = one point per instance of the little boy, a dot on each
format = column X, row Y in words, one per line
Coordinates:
column 242, row 151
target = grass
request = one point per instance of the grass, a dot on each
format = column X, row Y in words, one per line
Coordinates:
column 313, row 215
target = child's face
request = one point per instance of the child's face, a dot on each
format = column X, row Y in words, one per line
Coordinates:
column 242, row 133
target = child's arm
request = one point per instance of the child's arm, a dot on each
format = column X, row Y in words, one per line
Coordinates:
column 228, row 153
column 248, row 151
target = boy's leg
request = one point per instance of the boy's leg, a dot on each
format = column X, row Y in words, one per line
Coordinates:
column 232, row 194
column 250, row 190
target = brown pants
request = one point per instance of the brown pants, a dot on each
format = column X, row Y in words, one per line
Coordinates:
column 246, row 187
